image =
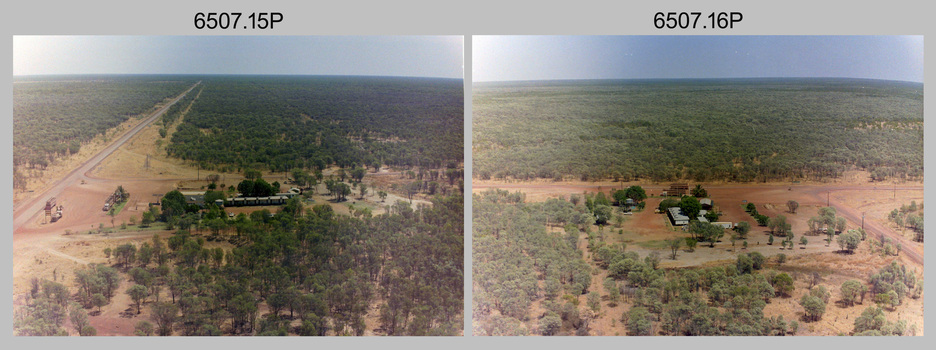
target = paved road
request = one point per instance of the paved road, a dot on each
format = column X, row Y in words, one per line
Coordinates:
column 28, row 210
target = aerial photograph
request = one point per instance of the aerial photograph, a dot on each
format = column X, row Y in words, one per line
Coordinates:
column 697, row 185
column 229, row 185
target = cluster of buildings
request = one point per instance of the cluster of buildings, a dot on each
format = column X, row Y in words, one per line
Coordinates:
column 678, row 218
column 198, row 198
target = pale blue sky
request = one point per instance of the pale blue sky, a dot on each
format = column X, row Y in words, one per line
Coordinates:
column 419, row 56
column 505, row 58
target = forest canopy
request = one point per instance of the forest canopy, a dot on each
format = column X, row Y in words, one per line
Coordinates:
column 663, row 130
column 288, row 122
column 54, row 115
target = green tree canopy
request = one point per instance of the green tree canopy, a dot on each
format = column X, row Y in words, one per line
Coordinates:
column 690, row 207
column 173, row 204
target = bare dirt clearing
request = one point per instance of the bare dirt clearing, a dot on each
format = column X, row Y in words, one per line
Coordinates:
column 852, row 196
column 875, row 200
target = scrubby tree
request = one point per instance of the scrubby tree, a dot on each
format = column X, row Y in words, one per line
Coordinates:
column 614, row 292
column 742, row 228
column 691, row 244
column 98, row 300
column 252, row 174
column 706, row 232
column 143, row 329
column 362, row 187
column 125, row 254
column 639, row 321
column 301, row 177
column 750, row 208
column 602, row 214
column 636, row 193
column 690, row 207
column 792, row 205
column 848, row 241
column 674, row 245
column 138, row 294
column 758, row 260
column 762, row 220
column 666, row 204
column 620, row 197
column 88, row 331
column 342, row 191
column 594, row 301
column 873, row 322
column 813, row 307
column 148, row 219
column 781, row 258
column 840, row 224
column 779, row 226
column 851, row 291
column 783, row 284
column 618, row 220
column 79, row 320
column 165, row 315
column 173, row 205
column 550, row 324
column 744, row 264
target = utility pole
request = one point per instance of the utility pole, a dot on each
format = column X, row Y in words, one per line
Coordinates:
column 862, row 220
column 829, row 198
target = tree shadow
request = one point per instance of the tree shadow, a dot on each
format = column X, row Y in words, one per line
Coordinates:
column 841, row 304
column 129, row 312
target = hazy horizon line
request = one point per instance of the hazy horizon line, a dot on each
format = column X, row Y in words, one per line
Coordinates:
column 674, row 79
column 233, row 74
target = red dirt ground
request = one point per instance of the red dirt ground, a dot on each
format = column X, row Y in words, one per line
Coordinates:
column 851, row 197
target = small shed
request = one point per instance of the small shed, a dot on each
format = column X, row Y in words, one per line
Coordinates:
column 706, row 203
column 724, row 224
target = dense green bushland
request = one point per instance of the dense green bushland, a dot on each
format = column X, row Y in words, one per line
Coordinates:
column 281, row 123
column 517, row 262
column 304, row 271
column 54, row 115
column 736, row 130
